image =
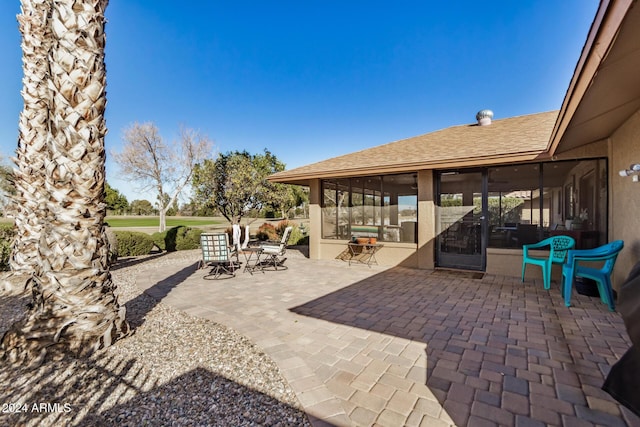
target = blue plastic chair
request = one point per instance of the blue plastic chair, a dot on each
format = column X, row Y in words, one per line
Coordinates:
column 558, row 247
column 606, row 254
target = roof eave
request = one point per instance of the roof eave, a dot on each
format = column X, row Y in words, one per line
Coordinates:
column 305, row 178
column 601, row 37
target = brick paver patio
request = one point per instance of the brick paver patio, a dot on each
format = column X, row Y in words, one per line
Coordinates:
column 395, row 346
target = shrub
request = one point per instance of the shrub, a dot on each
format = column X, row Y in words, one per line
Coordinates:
column 133, row 243
column 182, row 238
column 296, row 237
column 112, row 245
column 159, row 238
column 303, row 241
column 7, row 233
column 267, row 232
column 188, row 238
column 170, row 237
column 5, row 254
column 280, row 227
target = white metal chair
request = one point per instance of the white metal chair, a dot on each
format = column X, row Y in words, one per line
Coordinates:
column 273, row 252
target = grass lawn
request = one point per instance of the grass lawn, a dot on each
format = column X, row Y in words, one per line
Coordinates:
column 153, row 221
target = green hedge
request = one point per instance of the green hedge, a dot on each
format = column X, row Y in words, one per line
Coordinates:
column 178, row 238
column 7, row 233
column 159, row 239
column 133, row 243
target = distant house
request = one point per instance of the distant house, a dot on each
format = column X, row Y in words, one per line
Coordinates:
column 469, row 196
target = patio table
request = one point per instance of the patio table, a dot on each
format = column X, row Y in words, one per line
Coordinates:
column 252, row 259
column 364, row 253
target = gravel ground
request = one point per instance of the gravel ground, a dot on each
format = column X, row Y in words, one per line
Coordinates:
column 175, row 370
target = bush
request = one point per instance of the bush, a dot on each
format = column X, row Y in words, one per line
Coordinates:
column 296, row 237
column 7, row 233
column 133, row 243
column 5, row 254
column 303, row 241
column 181, row 238
column 267, row 232
column 188, row 238
column 280, row 227
column 159, row 238
column 112, row 245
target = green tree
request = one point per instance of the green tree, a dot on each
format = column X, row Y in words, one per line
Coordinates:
column 115, row 201
column 141, row 207
column 236, row 183
column 279, row 197
column 302, row 199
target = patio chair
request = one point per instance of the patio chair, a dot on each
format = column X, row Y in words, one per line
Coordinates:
column 558, row 247
column 238, row 243
column 274, row 251
column 606, row 255
column 217, row 254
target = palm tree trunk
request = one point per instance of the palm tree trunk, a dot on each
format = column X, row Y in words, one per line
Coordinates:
column 75, row 309
column 29, row 173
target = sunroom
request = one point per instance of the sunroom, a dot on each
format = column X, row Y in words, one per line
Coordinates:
column 469, row 207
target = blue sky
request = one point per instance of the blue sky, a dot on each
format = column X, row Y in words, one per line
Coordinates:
column 310, row 80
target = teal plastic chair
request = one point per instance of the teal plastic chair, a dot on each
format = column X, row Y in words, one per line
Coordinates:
column 606, row 254
column 558, row 247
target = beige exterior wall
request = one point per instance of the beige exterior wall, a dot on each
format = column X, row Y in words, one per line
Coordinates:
column 315, row 220
column 508, row 262
column 426, row 220
column 391, row 254
column 624, row 197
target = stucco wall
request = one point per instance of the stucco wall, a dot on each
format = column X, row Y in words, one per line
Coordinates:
column 426, row 221
column 508, row 262
column 315, row 219
column 624, row 196
column 390, row 254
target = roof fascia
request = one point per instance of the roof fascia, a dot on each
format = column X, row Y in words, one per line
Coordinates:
column 600, row 39
column 406, row 167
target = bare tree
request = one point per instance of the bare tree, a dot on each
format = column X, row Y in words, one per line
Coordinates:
column 159, row 167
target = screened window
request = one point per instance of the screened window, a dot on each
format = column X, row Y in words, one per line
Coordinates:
column 530, row 202
column 385, row 207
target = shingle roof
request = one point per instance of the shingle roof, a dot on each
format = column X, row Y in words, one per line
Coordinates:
column 505, row 140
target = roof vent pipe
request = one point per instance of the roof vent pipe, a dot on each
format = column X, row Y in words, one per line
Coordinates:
column 484, row 117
